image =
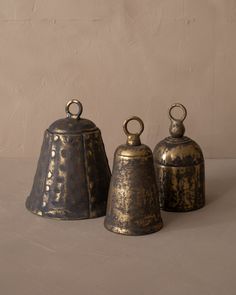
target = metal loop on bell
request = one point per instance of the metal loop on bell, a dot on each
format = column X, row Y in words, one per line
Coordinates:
column 80, row 109
column 133, row 138
column 134, row 118
column 178, row 105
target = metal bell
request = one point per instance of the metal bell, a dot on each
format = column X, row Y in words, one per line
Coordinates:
column 73, row 175
column 133, row 203
column 179, row 165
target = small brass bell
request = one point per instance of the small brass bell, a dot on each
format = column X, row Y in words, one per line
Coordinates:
column 179, row 165
column 133, row 203
column 72, row 177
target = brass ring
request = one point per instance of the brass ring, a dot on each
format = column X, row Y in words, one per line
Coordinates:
column 178, row 105
column 80, row 110
column 131, row 119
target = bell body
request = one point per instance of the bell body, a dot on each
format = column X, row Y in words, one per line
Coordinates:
column 72, row 177
column 133, row 204
column 180, row 171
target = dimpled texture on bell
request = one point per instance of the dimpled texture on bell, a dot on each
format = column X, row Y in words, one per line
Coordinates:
column 72, row 177
column 180, row 173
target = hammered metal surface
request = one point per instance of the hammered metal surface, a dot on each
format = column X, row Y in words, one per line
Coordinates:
column 73, row 175
column 181, row 188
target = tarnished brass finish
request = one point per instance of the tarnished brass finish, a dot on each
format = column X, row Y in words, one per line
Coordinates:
column 133, row 203
column 180, row 172
column 73, row 175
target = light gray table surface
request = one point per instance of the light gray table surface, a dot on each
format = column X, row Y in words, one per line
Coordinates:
column 194, row 253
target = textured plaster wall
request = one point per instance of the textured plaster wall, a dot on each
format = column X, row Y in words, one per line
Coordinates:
column 120, row 57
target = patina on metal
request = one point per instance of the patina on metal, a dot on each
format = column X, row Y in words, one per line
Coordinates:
column 179, row 166
column 73, row 175
column 133, row 203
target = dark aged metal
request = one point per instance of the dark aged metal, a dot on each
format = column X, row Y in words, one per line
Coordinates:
column 133, row 203
column 179, row 166
column 72, row 177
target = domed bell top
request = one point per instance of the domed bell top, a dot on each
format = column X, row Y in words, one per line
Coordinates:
column 177, row 149
column 133, row 203
column 179, row 165
column 72, row 177
column 133, row 146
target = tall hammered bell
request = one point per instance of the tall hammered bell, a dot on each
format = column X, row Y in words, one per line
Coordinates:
column 133, row 203
column 179, row 165
column 72, row 177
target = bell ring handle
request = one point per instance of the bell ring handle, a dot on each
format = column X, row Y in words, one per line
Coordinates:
column 178, row 105
column 134, row 118
column 80, row 109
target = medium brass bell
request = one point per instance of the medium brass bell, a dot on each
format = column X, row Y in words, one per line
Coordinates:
column 73, row 175
column 133, row 203
column 179, row 165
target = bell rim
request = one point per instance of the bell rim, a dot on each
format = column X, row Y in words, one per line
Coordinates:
column 183, row 211
column 116, row 229
column 59, row 218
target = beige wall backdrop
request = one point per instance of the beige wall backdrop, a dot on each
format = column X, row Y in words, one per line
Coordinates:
column 121, row 58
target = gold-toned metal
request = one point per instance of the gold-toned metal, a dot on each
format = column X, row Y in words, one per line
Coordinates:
column 179, row 166
column 73, row 175
column 133, row 203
